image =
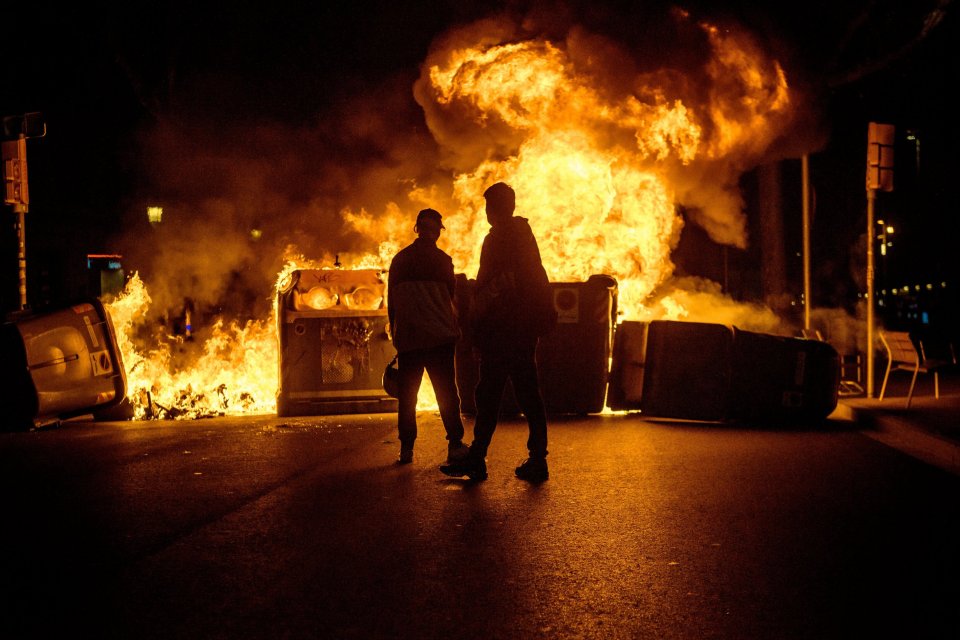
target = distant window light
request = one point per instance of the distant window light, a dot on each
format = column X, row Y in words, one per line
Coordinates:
column 154, row 214
column 926, row 318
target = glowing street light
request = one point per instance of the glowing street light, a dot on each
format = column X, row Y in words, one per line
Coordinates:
column 154, row 215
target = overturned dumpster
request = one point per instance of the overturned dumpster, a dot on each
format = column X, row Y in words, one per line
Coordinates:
column 333, row 343
column 715, row 372
column 60, row 364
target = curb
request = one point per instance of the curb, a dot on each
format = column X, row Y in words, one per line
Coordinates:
column 904, row 436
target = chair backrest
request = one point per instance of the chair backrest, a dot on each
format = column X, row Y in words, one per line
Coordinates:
column 899, row 346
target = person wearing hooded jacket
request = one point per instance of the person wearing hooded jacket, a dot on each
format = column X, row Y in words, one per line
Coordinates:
column 511, row 310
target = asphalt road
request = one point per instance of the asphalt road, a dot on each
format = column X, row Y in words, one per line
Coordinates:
column 304, row 527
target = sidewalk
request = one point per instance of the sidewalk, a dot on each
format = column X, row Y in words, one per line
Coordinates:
column 929, row 429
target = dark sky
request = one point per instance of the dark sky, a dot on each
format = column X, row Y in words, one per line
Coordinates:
column 109, row 80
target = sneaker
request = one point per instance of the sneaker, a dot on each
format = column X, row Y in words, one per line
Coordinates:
column 457, row 451
column 473, row 468
column 533, row 470
column 406, row 455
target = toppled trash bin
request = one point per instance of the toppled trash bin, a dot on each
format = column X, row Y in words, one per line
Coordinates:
column 60, row 364
column 714, row 372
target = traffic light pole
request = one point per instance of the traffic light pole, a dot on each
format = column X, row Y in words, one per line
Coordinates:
column 805, row 170
column 20, row 210
column 871, row 197
column 16, row 130
column 880, row 140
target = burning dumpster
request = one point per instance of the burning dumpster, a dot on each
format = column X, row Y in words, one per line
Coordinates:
column 715, row 372
column 61, row 364
column 573, row 358
column 333, row 343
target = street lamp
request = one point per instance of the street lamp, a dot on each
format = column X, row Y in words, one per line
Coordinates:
column 885, row 231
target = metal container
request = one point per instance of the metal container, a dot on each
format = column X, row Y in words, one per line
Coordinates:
column 61, row 364
column 334, row 346
column 776, row 378
column 715, row 372
column 573, row 358
column 687, row 370
column 625, row 388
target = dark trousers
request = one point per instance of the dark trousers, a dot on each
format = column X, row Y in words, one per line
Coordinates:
column 439, row 365
column 520, row 366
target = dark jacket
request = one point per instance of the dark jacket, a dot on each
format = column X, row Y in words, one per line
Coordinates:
column 512, row 304
column 420, row 289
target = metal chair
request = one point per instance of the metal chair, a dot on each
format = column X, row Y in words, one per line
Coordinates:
column 903, row 355
column 850, row 366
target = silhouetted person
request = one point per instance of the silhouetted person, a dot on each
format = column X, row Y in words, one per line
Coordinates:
column 511, row 310
column 420, row 289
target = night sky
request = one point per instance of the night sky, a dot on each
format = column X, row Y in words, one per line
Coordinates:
column 313, row 91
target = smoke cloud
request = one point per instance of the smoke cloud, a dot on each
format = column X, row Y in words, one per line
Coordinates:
column 241, row 198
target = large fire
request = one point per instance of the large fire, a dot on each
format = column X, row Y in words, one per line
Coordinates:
column 600, row 169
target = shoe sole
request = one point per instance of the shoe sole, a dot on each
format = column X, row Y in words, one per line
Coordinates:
column 542, row 478
column 471, row 476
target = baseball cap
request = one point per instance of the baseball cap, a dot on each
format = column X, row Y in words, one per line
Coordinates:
column 432, row 214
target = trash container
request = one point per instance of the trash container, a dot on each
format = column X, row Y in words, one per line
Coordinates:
column 687, row 369
column 625, row 388
column 782, row 379
column 573, row 358
column 715, row 372
column 60, row 364
column 333, row 340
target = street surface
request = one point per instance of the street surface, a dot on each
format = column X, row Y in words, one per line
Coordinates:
column 303, row 527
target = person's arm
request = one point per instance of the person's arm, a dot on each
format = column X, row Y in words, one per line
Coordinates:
column 391, row 279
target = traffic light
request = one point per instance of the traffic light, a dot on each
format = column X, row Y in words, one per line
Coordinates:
column 15, row 189
column 880, row 156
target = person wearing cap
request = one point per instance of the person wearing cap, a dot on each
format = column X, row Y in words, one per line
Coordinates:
column 512, row 308
column 423, row 327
